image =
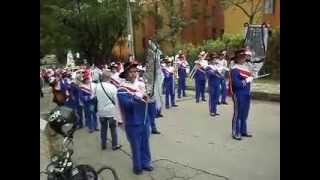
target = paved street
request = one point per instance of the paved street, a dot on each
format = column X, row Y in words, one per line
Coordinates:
column 195, row 146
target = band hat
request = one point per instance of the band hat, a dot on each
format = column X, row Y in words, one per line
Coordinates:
column 126, row 68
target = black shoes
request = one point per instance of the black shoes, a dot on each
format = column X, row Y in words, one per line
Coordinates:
column 159, row 116
column 225, row 103
column 103, row 146
column 155, row 132
column 116, row 147
column 137, row 171
column 204, row 100
column 237, row 138
column 150, row 168
column 247, row 135
column 174, row 105
column 214, row 114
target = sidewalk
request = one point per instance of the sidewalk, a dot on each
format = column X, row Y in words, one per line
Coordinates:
column 266, row 90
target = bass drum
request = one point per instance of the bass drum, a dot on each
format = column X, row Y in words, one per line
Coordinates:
column 83, row 172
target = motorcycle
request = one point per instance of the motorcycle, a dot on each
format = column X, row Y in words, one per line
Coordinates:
column 61, row 166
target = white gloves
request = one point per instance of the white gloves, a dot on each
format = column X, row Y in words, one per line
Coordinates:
column 139, row 94
column 249, row 79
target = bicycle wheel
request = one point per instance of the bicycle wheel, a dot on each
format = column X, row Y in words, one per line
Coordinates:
column 113, row 171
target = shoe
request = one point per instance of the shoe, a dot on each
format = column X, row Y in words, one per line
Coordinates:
column 237, row 138
column 116, row 147
column 120, row 123
column 214, row 114
column 224, row 103
column 91, row 131
column 174, row 105
column 247, row 135
column 159, row 116
column 103, row 146
column 179, row 97
column 219, row 103
column 167, row 107
column 137, row 171
column 97, row 129
column 150, row 168
column 204, row 100
column 155, row 132
column 197, row 101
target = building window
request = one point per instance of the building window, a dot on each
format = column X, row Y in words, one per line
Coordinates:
column 269, row 6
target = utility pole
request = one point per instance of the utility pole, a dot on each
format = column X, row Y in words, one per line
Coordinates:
column 130, row 29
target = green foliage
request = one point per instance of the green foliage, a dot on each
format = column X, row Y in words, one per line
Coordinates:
column 213, row 45
column 85, row 25
column 233, row 41
column 228, row 41
column 273, row 55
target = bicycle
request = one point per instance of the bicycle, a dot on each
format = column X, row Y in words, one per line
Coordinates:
column 61, row 166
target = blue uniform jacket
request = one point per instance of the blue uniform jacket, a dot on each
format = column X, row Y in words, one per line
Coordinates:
column 213, row 76
column 239, row 85
column 182, row 73
column 200, row 74
column 86, row 96
column 168, row 77
column 132, row 107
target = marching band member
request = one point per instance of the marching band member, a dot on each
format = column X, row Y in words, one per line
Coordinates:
column 241, row 78
column 214, row 79
column 200, row 76
column 223, row 66
column 183, row 65
column 88, row 100
column 133, row 104
column 115, row 79
column 168, row 72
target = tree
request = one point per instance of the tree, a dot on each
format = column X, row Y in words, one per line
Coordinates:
column 251, row 8
column 91, row 27
column 176, row 21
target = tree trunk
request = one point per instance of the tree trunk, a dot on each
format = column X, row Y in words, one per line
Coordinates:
column 251, row 18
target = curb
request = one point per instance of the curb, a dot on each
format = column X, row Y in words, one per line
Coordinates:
column 255, row 95
column 265, row 96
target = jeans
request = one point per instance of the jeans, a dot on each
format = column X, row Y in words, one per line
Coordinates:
column 105, row 121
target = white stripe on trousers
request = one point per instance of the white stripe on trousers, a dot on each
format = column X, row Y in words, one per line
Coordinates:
column 235, row 115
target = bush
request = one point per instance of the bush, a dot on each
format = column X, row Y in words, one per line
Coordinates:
column 233, row 41
column 272, row 63
column 213, row 45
